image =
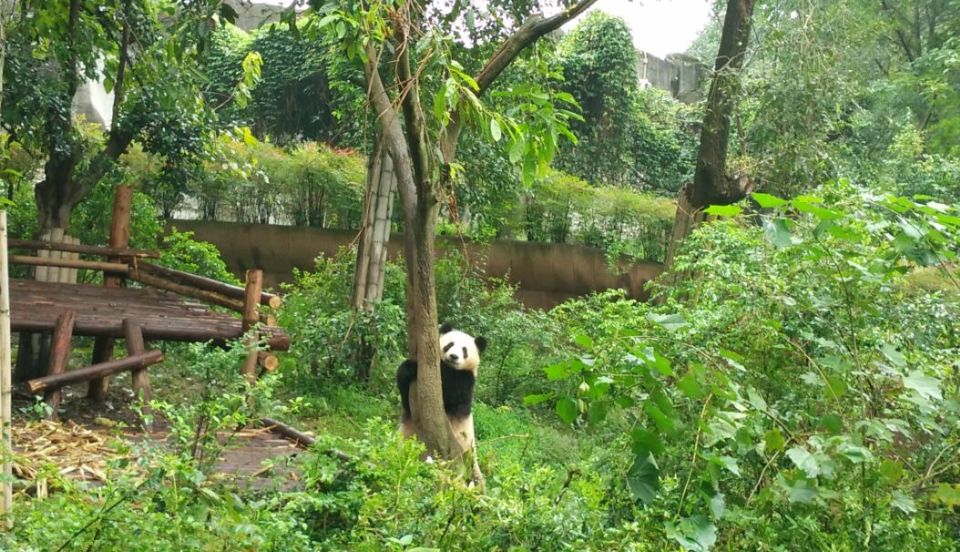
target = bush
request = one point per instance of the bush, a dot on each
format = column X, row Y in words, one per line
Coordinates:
column 564, row 209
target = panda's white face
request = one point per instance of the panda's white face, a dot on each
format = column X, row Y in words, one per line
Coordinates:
column 461, row 351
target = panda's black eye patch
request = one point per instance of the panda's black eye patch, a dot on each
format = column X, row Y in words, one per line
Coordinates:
column 448, row 346
column 465, row 355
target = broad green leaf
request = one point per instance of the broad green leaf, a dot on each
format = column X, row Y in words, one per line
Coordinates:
column 730, row 464
column 495, row 132
column 643, row 479
column 533, row 400
column 690, row 387
column 717, row 506
column 926, row 386
column 801, row 492
column 891, row 471
column 584, row 341
column 948, row 495
column 903, row 502
column 557, row 371
column 567, row 409
column 778, row 232
column 832, row 423
column 723, row 210
column 598, row 412
column 695, row 533
column 643, row 442
column 836, row 386
column 804, row 460
column 773, row 440
column 670, row 322
column 767, row 201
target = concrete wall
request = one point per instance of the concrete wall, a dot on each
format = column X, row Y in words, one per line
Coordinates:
column 547, row 274
column 679, row 74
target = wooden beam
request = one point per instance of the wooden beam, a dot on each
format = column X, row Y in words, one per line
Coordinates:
column 36, row 245
column 251, row 316
column 118, row 268
column 59, row 356
column 39, row 385
column 119, row 238
column 208, row 284
column 133, row 334
column 204, row 295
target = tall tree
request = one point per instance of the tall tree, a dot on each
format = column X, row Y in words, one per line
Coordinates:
column 422, row 143
column 711, row 183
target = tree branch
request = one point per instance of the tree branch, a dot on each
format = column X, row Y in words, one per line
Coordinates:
column 410, row 101
column 528, row 33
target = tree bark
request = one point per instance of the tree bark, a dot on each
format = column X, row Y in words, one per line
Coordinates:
column 418, row 183
column 711, row 184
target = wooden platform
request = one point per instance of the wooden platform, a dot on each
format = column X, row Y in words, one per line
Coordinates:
column 100, row 312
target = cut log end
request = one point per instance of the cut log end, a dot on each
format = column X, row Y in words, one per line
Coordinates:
column 268, row 361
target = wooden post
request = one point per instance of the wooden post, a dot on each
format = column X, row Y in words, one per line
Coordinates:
column 6, row 504
column 59, row 356
column 133, row 333
column 119, row 238
column 251, row 315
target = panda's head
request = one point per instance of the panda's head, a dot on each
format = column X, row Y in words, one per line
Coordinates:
column 459, row 350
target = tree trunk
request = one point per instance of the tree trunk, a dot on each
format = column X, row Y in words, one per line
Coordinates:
column 711, row 184
column 375, row 232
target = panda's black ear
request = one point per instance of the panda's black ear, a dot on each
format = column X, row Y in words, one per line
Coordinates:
column 481, row 343
column 446, row 327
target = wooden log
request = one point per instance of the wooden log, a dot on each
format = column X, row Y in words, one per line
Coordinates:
column 36, row 245
column 251, row 315
column 133, row 333
column 204, row 295
column 119, row 239
column 96, row 371
column 6, row 378
column 268, row 361
column 59, row 356
column 299, row 438
column 56, row 235
column 118, row 268
column 207, row 284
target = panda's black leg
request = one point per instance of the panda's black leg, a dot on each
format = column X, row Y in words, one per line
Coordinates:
column 406, row 374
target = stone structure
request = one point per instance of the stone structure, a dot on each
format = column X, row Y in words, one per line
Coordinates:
column 680, row 75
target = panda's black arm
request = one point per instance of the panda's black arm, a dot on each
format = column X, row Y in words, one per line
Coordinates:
column 406, row 373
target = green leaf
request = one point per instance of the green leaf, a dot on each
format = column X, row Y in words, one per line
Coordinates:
column 670, row 322
column 723, row 210
column 767, row 201
column 926, row 386
column 801, row 492
column 643, row 442
column 495, row 132
column 773, row 440
column 832, row 423
column 695, row 533
column 643, row 479
column 778, row 232
column 729, row 463
column 557, row 371
column 903, row 502
column 717, row 506
column 690, row 387
column 533, row 400
column 567, row 409
column 584, row 341
column 804, row 460
column 948, row 495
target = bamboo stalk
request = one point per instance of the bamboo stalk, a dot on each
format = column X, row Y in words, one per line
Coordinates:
column 35, row 245
column 6, row 504
column 96, row 371
column 208, row 284
column 70, row 263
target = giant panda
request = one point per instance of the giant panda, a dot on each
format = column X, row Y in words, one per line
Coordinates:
column 459, row 360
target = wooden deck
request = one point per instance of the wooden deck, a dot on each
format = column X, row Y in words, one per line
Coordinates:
column 100, row 312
